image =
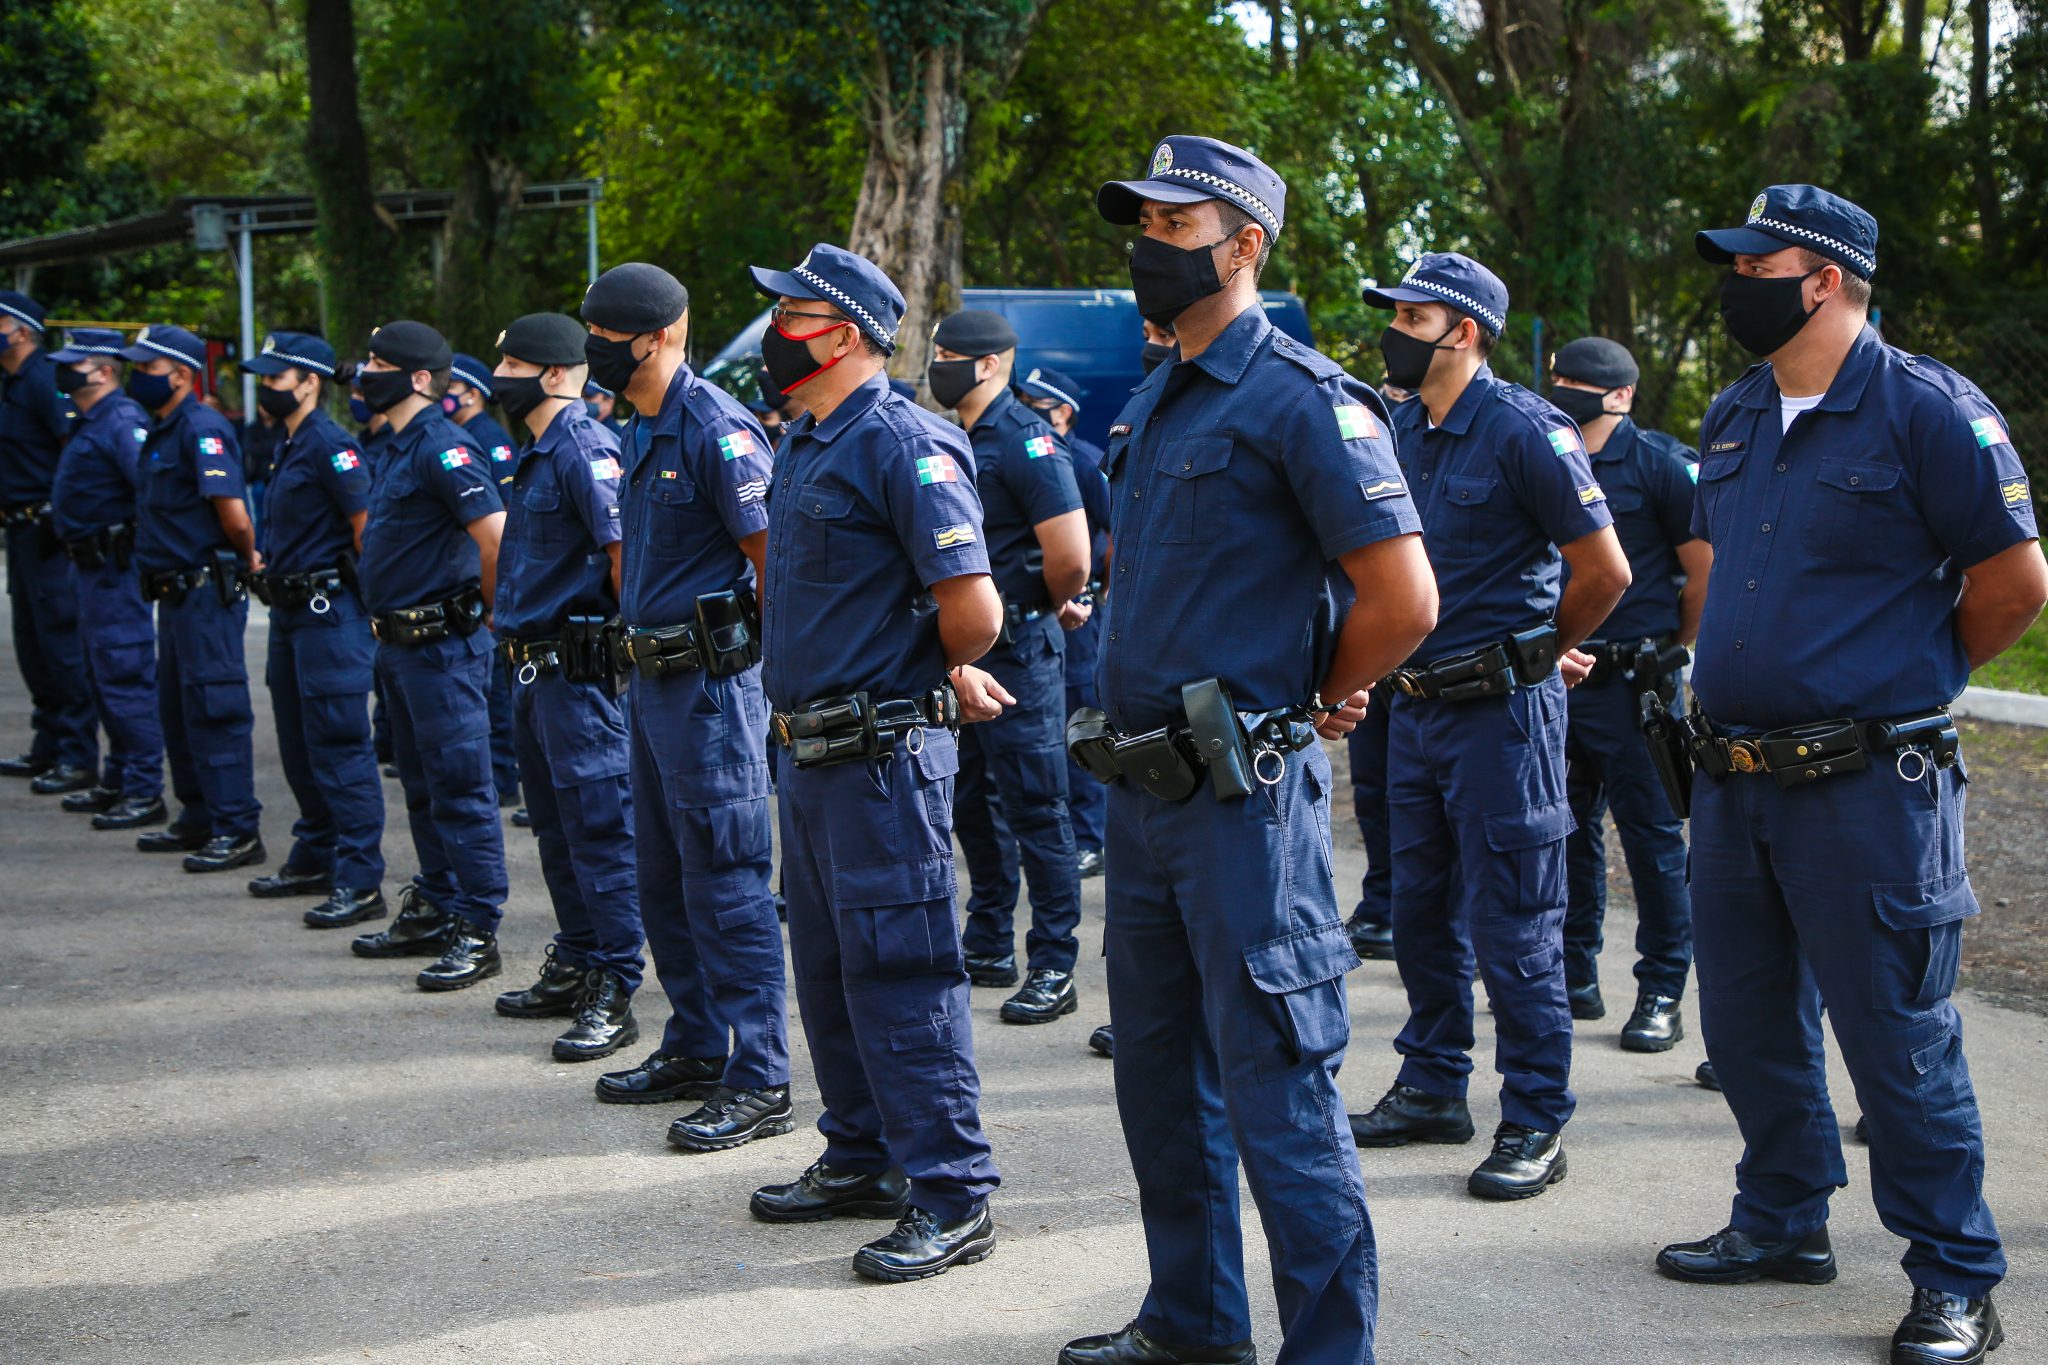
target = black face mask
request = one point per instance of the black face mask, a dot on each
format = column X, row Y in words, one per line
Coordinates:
column 1169, row 280
column 1154, row 356
column 612, row 363
column 1581, row 405
column 788, row 359
column 278, row 403
column 384, row 390
column 150, row 390
column 1407, row 357
column 951, row 381
column 1762, row 313
column 519, row 396
column 70, row 380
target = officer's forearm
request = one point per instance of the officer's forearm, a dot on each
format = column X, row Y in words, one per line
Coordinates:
column 2001, row 599
column 1064, row 542
column 486, row 532
column 970, row 616
column 1395, row 612
column 1599, row 577
column 236, row 526
column 1696, row 557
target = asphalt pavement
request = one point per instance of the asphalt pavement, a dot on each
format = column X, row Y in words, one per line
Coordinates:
column 225, row 1139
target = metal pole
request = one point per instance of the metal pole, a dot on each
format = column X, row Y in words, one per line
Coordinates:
column 1536, row 356
column 591, row 218
column 246, row 268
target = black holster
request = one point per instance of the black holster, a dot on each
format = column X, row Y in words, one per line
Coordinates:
column 230, row 580
column 1218, row 737
column 728, row 632
column 1534, row 653
column 842, row 729
column 587, row 650
column 1670, row 751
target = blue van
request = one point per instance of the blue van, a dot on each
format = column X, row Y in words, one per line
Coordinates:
column 1094, row 335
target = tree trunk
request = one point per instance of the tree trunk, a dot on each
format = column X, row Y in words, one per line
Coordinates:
column 468, row 298
column 359, row 248
column 1984, row 176
column 1913, row 30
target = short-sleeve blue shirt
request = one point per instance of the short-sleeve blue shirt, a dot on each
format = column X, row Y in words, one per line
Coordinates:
column 191, row 457
column 872, row 506
column 416, row 546
column 35, row 419
column 500, row 450
column 1087, row 457
column 1648, row 479
column 1024, row 476
column 95, row 486
column 1501, row 484
column 320, row 480
column 1839, row 545
column 697, row 478
column 561, row 511
column 1236, row 481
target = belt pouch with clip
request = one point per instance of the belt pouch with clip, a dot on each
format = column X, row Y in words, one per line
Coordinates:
column 261, row 587
column 1936, row 732
column 1218, row 738
column 1534, row 653
column 1485, row 674
column 1670, row 753
column 1091, row 745
column 88, row 553
column 585, row 650
column 228, row 583
column 1806, row 753
column 726, row 634
column 833, row 730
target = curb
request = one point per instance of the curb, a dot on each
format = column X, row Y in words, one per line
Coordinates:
column 2007, row 708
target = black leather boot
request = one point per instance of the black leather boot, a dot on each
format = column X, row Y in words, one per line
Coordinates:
column 1654, row 1026
column 1103, row 1040
column 24, row 765
column 1405, row 1114
column 922, row 1245
column 346, row 906
column 992, row 969
column 1730, row 1257
column 1585, row 1001
column 225, row 853
column 177, row 839
column 822, row 1193
column 1946, row 1329
column 732, row 1118
column 555, row 993
column 421, row 930
column 1132, row 1347
column 1524, row 1162
column 1370, row 940
column 604, row 1021
column 132, row 813
column 662, row 1079
column 290, row 881
column 471, row 956
column 65, row 777
column 91, row 801
column 1046, row 996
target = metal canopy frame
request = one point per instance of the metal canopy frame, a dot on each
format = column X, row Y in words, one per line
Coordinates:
column 198, row 218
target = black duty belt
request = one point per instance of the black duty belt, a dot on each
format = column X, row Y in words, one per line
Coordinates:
column 1522, row 660
column 315, row 589
column 530, row 658
column 1645, row 664
column 1798, row 754
column 109, row 545
column 461, row 615
column 1239, row 748
column 659, row 650
column 230, row 580
column 833, row 730
column 725, row 639
column 24, row 514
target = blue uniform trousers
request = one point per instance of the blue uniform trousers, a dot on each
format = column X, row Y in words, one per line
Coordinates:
column 1020, row 761
column 702, row 828
column 1609, row 766
column 504, row 748
column 1087, row 799
column 571, row 740
column 203, row 699
column 1848, row 891
column 1226, row 987
column 118, row 635
column 44, row 600
column 441, row 739
column 1367, row 747
column 380, row 723
column 867, row 870
column 320, row 668
column 1479, row 819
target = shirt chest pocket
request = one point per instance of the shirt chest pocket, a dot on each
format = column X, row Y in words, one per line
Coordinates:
column 668, row 509
column 1195, row 485
column 1472, row 508
column 540, row 515
column 824, row 534
column 1716, row 494
column 1857, row 505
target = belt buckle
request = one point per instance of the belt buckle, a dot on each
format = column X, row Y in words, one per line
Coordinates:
column 1407, row 682
column 778, row 725
column 1745, row 756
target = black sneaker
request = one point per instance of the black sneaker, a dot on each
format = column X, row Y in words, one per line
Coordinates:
column 662, row 1079
column 733, row 1118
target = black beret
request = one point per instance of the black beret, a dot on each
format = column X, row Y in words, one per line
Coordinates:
column 635, row 297
column 411, row 346
column 975, row 333
column 1595, row 360
column 544, row 339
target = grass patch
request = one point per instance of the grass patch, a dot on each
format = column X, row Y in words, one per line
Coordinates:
column 2023, row 668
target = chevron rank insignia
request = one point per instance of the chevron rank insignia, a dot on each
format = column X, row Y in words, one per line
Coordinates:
column 946, row 537
column 1382, row 488
column 1590, row 494
column 2014, row 492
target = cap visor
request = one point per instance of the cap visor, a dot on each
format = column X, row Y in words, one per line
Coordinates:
column 265, row 364
column 1389, row 298
column 1722, row 245
column 777, row 284
column 68, row 356
column 1118, row 200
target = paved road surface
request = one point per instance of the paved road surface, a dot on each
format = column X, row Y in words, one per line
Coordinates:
column 224, row 1139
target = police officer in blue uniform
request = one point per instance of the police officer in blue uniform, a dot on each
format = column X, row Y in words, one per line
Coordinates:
column 1475, row 736
column 1011, row 805
column 1874, row 540
column 558, row 576
column 1246, row 476
column 1057, row 398
column 1640, row 649
column 375, row 435
column 322, row 658
column 696, row 531
column 1371, row 926
column 429, row 567
column 92, row 510
column 195, row 547
column 35, row 421
column 877, row 581
column 469, row 390
column 603, row 406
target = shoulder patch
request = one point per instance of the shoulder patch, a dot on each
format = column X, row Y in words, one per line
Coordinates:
column 141, row 434
column 1382, row 488
column 1565, row 441
column 1989, row 432
column 500, row 454
column 2014, row 492
column 938, row 469
column 455, row 458
column 1692, row 470
column 733, row 445
column 753, row 490
column 212, row 445
column 345, row 460
column 1355, row 422
column 1590, row 494
column 1038, row 447
column 605, row 467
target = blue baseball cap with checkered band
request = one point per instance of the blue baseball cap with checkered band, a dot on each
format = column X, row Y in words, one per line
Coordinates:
column 1802, row 216
column 165, row 341
column 1450, row 278
column 293, row 350
column 853, row 284
column 90, row 343
column 1187, row 170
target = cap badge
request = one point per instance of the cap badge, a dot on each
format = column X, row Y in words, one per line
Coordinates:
column 143, row 336
column 501, row 341
column 1413, row 270
column 1757, row 206
column 269, row 345
column 1162, row 160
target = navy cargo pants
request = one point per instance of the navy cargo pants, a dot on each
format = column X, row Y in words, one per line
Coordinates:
column 118, row 635
column 1849, row 891
column 319, row 671
column 1366, row 747
column 203, row 699
column 43, row 593
column 1226, row 966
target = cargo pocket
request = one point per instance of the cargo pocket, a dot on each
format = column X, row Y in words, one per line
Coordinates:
column 1941, row 1080
column 891, row 941
column 335, row 704
column 1302, row 974
column 1196, row 493
column 222, row 703
column 1532, row 842
column 1917, row 966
